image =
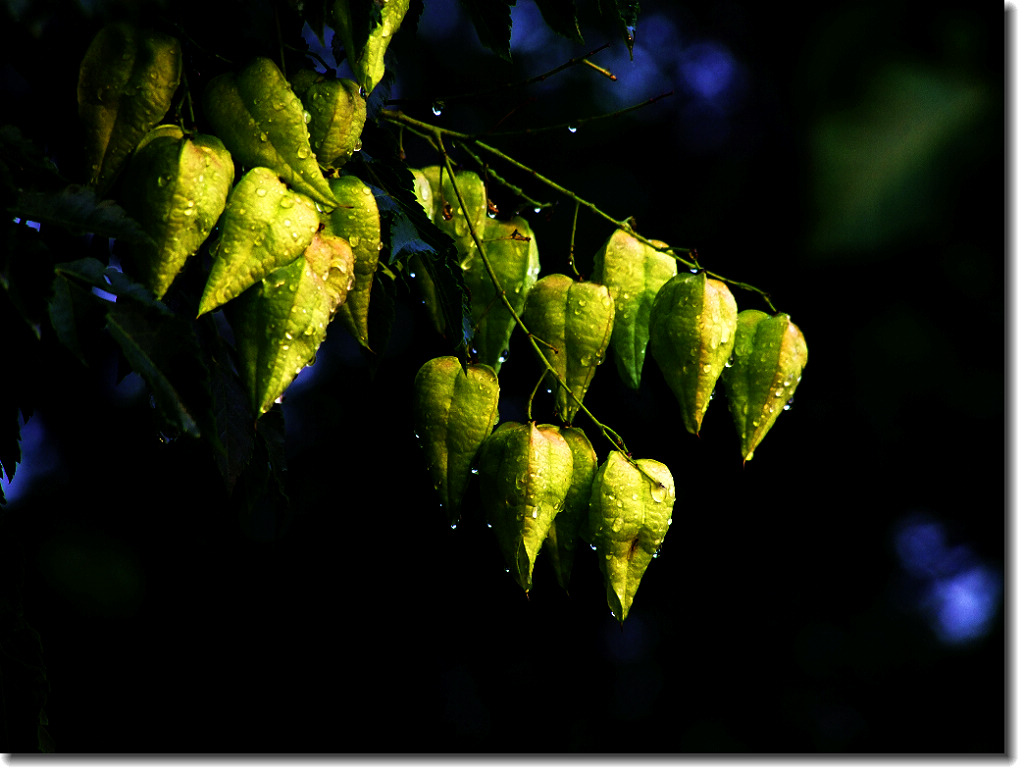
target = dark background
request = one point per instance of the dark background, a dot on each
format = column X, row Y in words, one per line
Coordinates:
column 841, row 593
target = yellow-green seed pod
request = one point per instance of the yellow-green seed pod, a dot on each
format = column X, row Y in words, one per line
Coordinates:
column 265, row 226
column 768, row 363
column 454, row 410
column 337, row 113
column 512, row 252
column 526, row 471
column 692, row 327
column 451, row 217
column 633, row 272
column 358, row 221
column 572, row 522
column 176, row 187
column 575, row 320
column 630, row 512
column 280, row 323
column 126, row 82
column 262, row 122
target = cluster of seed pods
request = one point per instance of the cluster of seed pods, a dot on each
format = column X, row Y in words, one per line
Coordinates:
column 289, row 248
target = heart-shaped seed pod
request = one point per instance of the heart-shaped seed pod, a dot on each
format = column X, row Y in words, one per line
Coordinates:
column 630, row 512
column 454, row 410
column 280, row 323
column 365, row 45
column 511, row 250
column 337, row 114
column 767, row 364
column 262, row 122
column 633, row 272
column 358, row 221
column 575, row 319
column 692, row 326
column 525, row 475
column 572, row 522
column 176, row 188
column 126, row 82
column 265, row 226
column 450, row 216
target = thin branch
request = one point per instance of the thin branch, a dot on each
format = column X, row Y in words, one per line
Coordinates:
column 433, row 134
column 441, row 102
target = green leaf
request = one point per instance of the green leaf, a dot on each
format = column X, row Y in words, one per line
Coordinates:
column 366, row 30
column 630, row 512
column 264, row 226
column 358, row 221
column 280, row 324
column 176, row 187
column 633, row 272
column 693, row 324
column 575, row 320
column 126, row 82
column 560, row 15
column 572, row 522
column 768, row 361
column 454, row 411
column 525, row 475
column 493, row 22
column 261, row 121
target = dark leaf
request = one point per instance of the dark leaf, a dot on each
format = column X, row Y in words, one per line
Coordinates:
column 164, row 351
column 77, row 209
column 560, row 15
column 74, row 313
column 27, row 164
column 493, row 22
column 382, row 299
column 235, row 432
column 624, row 15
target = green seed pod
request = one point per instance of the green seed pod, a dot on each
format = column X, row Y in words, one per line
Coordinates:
column 126, row 82
column 633, row 272
column 630, row 512
column 692, row 326
column 572, row 522
column 358, row 221
column 511, row 250
column 265, row 226
column 576, row 319
column 454, row 410
column 280, row 323
column 768, row 362
column 337, row 114
column 450, row 216
column 364, row 48
column 176, row 188
column 262, row 122
column 525, row 475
